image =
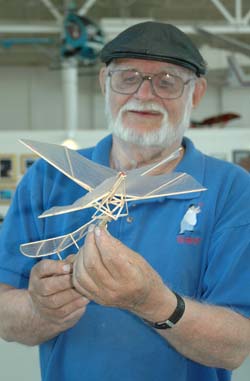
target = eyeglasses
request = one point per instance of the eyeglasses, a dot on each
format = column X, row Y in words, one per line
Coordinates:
column 163, row 84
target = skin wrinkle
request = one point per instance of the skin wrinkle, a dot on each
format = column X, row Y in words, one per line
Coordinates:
column 114, row 251
column 126, row 155
column 82, row 279
column 90, row 242
column 164, row 137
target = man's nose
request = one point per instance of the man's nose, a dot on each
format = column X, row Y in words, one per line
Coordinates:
column 145, row 91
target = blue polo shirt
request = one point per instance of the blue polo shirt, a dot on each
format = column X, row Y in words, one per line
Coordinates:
column 209, row 262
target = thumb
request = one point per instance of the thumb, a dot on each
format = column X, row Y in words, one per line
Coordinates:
column 70, row 259
column 109, row 245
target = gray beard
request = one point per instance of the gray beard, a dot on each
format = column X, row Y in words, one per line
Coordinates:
column 165, row 136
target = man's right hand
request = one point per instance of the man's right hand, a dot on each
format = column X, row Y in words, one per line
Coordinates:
column 52, row 294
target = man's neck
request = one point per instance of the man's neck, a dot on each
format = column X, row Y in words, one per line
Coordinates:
column 126, row 156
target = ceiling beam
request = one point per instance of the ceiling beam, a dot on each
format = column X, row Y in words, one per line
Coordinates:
column 246, row 18
column 238, row 19
column 242, row 77
column 53, row 10
column 112, row 26
column 238, row 10
column 86, row 6
column 223, row 11
column 14, row 28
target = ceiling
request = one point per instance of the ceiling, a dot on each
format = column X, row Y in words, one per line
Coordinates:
column 190, row 11
column 43, row 19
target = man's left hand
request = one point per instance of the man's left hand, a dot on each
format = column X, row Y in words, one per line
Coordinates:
column 111, row 274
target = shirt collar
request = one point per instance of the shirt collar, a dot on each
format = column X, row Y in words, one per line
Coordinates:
column 193, row 162
column 101, row 152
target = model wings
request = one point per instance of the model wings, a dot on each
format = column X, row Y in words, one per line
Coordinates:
column 84, row 172
column 109, row 191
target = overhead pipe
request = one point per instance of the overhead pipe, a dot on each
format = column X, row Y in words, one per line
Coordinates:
column 70, row 97
column 111, row 27
column 46, row 28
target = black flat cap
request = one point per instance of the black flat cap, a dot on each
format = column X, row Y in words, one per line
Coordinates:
column 155, row 41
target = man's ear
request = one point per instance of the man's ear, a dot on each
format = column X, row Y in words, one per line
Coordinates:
column 102, row 79
column 199, row 91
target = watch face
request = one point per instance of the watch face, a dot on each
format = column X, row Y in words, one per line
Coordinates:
column 163, row 325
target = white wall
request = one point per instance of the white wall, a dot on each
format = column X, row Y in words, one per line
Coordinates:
column 31, row 99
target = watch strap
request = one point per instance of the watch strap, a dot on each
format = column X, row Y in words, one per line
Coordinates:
column 173, row 319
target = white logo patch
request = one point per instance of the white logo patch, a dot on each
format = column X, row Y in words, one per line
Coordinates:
column 190, row 219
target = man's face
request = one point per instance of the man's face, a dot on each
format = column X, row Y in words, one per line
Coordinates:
column 144, row 118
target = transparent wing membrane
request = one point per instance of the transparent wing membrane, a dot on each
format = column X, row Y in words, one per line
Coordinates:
column 109, row 191
column 87, row 201
column 54, row 245
column 173, row 183
column 146, row 170
column 79, row 169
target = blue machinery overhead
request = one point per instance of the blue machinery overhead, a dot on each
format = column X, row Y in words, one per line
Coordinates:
column 8, row 43
column 81, row 38
column 80, row 43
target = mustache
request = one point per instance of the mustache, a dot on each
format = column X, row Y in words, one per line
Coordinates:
column 134, row 105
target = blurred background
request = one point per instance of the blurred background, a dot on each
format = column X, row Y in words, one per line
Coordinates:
column 49, row 90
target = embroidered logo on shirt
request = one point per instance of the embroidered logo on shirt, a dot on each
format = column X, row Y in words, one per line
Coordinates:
column 190, row 219
column 188, row 240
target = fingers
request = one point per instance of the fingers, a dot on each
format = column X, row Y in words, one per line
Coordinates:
column 106, row 270
column 117, row 258
column 93, row 259
column 89, row 273
column 52, row 285
column 50, row 276
column 70, row 259
column 52, row 293
column 60, row 299
column 112, row 274
column 48, row 267
column 103, row 260
column 71, row 319
column 63, row 314
column 82, row 281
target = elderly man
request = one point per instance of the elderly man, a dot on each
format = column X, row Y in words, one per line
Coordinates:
column 164, row 293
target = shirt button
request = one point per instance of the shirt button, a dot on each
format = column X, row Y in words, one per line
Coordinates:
column 130, row 219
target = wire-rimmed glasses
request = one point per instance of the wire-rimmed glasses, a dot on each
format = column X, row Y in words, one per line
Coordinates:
column 164, row 85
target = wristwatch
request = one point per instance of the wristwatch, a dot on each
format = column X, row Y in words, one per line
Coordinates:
column 173, row 319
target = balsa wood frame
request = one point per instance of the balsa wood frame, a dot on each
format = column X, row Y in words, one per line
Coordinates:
column 109, row 192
